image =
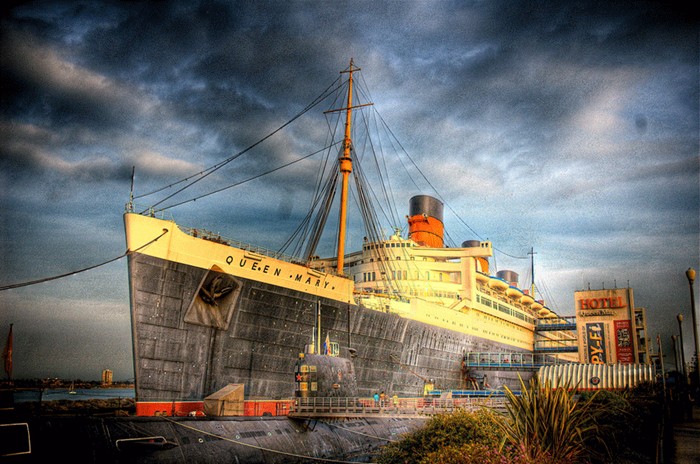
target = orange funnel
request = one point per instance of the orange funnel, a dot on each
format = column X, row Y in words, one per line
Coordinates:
column 425, row 221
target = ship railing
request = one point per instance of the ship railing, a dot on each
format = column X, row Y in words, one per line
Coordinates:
column 149, row 211
column 364, row 295
column 348, row 407
column 214, row 237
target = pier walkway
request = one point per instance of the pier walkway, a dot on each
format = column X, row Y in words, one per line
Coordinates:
column 318, row 408
column 686, row 439
column 509, row 360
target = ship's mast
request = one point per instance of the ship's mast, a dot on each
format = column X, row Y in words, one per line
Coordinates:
column 345, row 167
column 532, row 269
column 345, row 170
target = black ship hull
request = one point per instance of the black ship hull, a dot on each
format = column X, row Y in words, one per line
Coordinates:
column 183, row 352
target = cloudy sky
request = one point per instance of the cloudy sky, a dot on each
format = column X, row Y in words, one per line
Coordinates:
column 567, row 127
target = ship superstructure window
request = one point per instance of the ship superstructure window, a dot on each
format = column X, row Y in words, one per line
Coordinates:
column 504, row 309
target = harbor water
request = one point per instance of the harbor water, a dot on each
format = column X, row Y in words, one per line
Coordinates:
column 81, row 394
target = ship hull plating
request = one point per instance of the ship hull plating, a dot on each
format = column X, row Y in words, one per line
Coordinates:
column 196, row 331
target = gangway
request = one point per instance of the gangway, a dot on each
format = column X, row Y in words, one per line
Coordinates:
column 509, row 360
column 547, row 345
column 548, row 341
column 559, row 323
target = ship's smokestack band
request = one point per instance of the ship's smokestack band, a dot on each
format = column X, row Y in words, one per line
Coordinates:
column 509, row 276
column 425, row 225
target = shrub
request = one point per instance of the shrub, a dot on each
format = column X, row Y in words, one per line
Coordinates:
column 473, row 453
column 630, row 424
column 443, row 432
column 552, row 425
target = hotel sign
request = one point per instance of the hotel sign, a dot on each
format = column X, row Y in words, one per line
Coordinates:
column 600, row 307
column 611, row 302
column 605, row 325
column 623, row 341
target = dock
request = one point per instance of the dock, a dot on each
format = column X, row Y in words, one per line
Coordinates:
column 686, row 438
column 351, row 408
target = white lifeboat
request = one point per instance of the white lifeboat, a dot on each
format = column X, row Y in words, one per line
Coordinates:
column 514, row 292
column 498, row 284
column 527, row 300
column 536, row 306
column 548, row 313
column 481, row 277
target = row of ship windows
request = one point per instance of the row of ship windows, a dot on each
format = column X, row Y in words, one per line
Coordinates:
column 504, row 309
column 503, row 335
column 418, row 293
column 371, row 260
column 375, row 246
column 399, row 275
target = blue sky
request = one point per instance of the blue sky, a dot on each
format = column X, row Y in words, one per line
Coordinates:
column 567, row 127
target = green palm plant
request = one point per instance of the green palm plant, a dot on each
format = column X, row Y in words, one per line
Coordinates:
column 551, row 425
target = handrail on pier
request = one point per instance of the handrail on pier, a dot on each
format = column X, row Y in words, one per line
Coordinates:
column 316, row 407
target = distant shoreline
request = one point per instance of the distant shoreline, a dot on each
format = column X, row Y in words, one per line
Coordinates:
column 108, row 406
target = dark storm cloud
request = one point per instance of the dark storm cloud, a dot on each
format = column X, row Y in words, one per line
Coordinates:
column 571, row 127
column 45, row 87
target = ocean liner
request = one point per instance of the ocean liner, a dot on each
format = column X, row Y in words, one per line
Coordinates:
column 208, row 312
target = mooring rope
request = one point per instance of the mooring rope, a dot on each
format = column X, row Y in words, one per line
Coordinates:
column 67, row 274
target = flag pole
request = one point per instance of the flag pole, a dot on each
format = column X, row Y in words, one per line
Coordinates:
column 7, row 354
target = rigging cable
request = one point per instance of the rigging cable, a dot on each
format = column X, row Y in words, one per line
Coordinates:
column 377, row 151
column 47, row 279
column 218, row 166
column 438, row 193
column 243, row 181
column 305, row 231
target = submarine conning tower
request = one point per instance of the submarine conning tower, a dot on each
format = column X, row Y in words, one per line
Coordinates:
column 425, row 226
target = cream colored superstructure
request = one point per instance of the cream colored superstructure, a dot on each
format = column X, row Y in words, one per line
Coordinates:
column 443, row 287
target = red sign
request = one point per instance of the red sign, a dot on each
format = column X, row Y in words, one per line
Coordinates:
column 602, row 303
column 623, row 341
